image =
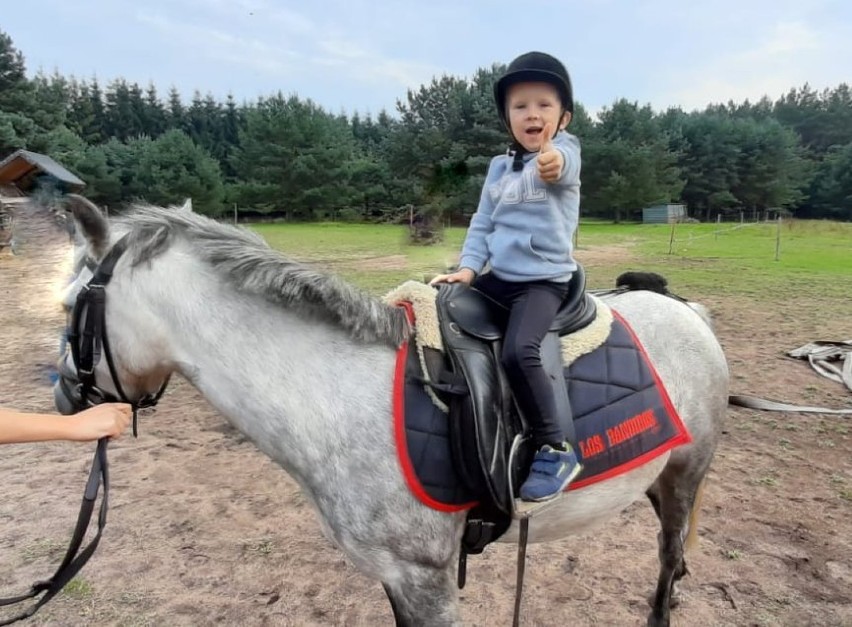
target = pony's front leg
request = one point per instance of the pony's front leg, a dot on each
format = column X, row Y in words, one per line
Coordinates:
column 423, row 595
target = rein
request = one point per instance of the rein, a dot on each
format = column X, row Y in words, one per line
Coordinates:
column 88, row 340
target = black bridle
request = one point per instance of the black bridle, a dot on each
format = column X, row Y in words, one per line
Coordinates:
column 87, row 337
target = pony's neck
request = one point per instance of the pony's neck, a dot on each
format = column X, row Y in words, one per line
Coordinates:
column 298, row 387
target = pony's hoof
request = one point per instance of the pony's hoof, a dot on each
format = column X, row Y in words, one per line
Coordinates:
column 677, row 596
column 674, row 600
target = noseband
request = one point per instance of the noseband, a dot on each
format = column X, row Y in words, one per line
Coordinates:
column 88, row 340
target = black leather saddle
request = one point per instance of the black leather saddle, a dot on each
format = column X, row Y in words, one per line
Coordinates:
column 484, row 420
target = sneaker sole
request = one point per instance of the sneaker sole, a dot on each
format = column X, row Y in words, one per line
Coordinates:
column 577, row 470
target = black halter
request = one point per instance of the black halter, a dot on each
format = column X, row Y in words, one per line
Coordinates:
column 88, row 340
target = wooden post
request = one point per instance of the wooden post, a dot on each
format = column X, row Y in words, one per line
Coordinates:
column 778, row 239
column 672, row 236
column 718, row 224
column 235, row 214
column 742, row 217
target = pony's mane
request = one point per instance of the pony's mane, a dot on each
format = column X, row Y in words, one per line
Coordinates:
column 247, row 261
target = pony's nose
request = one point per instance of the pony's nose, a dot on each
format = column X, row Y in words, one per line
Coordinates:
column 64, row 405
column 68, row 298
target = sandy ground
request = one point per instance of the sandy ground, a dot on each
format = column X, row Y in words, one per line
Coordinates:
column 205, row 530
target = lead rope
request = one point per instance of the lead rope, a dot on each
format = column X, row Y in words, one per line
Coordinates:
column 74, row 558
column 753, row 402
column 522, row 562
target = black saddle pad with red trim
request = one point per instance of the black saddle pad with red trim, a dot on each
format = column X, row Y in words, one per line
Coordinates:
column 623, row 418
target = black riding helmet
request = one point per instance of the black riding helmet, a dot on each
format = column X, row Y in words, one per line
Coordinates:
column 534, row 67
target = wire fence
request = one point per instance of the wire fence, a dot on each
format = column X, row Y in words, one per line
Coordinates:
column 720, row 230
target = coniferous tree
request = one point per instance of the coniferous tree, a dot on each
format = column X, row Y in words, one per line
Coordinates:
column 293, row 158
column 122, row 110
column 628, row 163
column 17, row 129
column 232, row 122
column 98, row 109
column 154, row 116
column 175, row 111
column 13, row 80
column 289, row 155
column 830, row 192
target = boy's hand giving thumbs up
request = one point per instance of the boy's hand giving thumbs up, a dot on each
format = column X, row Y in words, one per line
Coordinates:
column 550, row 161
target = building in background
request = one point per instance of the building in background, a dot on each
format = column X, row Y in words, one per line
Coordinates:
column 664, row 214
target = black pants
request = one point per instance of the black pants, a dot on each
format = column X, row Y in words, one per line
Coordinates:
column 532, row 308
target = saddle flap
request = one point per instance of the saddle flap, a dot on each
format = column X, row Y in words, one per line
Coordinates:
column 482, row 421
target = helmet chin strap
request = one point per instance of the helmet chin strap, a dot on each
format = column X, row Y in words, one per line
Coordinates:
column 518, row 158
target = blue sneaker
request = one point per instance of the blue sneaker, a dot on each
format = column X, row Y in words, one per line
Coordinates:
column 552, row 470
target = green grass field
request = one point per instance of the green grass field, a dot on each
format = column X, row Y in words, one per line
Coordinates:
column 735, row 259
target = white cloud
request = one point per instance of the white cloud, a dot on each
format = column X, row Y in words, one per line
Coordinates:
column 787, row 38
column 219, row 45
column 260, row 11
column 788, row 55
column 309, row 50
column 370, row 66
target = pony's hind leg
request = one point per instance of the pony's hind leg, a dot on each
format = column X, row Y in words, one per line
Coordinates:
column 423, row 595
column 674, row 599
column 675, row 498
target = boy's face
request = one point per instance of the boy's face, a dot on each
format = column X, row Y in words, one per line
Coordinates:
column 530, row 107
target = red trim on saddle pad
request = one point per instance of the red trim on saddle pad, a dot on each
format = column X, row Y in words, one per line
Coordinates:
column 682, row 435
column 399, row 430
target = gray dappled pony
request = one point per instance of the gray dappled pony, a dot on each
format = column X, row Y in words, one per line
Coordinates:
column 302, row 363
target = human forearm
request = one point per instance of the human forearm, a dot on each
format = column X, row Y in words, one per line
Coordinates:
column 570, row 174
column 18, row 426
column 105, row 420
column 474, row 252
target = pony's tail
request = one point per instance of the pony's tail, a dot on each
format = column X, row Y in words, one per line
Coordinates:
column 691, row 541
column 653, row 282
column 702, row 311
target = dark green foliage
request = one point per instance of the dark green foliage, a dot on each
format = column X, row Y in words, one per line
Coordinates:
column 14, row 86
column 170, row 169
column 287, row 157
column 448, row 133
column 628, row 163
column 831, row 189
column 293, row 159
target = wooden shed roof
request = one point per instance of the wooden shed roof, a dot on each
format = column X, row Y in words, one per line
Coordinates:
column 21, row 164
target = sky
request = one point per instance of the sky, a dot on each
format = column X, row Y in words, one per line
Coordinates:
column 363, row 55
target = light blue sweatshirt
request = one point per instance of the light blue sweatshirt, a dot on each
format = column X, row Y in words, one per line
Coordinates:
column 523, row 226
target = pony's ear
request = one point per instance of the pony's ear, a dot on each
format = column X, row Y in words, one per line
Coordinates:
column 92, row 223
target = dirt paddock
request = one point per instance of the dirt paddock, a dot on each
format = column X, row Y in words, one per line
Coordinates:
column 205, row 530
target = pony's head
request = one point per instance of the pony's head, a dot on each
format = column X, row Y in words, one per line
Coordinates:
column 144, row 295
column 107, row 359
